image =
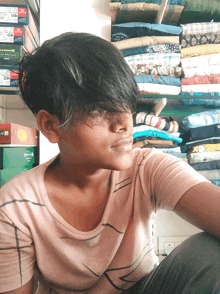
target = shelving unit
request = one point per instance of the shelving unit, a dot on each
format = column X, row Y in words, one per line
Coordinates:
column 34, row 6
column 157, row 13
column 166, row 223
column 154, row 13
column 175, row 106
column 12, row 108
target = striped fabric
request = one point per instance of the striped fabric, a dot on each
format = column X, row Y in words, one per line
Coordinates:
column 157, row 122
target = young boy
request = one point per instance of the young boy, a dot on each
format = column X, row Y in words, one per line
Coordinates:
column 81, row 223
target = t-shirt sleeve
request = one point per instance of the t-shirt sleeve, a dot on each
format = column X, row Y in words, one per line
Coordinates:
column 17, row 256
column 166, row 178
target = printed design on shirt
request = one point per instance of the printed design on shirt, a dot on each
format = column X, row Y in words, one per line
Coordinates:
column 108, row 225
column 15, row 239
column 66, row 237
column 19, row 253
column 13, row 248
column 152, row 197
column 20, row 201
column 124, row 277
column 124, row 183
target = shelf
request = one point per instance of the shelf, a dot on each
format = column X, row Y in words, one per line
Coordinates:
column 9, row 91
column 175, row 107
column 145, row 12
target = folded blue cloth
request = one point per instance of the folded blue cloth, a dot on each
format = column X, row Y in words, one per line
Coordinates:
column 201, row 119
column 158, row 48
column 204, row 102
column 170, row 2
column 139, row 29
column 216, row 182
column 165, row 80
column 199, row 94
column 158, row 135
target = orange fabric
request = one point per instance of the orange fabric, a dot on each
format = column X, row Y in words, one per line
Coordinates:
column 210, row 79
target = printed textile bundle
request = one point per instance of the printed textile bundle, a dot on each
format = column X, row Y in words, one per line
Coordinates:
column 203, row 148
column 200, row 61
column 154, row 60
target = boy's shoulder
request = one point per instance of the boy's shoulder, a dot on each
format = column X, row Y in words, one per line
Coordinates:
column 24, row 185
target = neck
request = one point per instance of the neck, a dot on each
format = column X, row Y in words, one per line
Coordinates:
column 84, row 177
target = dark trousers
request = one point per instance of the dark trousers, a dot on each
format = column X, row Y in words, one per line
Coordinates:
column 191, row 268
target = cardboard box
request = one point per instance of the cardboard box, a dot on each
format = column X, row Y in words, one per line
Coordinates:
column 9, row 76
column 17, row 35
column 11, row 133
column 11, row 54
column 33, row 4
column 19, row 15
column 8, row 174
column 11, row 157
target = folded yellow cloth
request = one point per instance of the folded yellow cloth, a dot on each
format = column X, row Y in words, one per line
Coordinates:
column 200, row 50
column 205, row 148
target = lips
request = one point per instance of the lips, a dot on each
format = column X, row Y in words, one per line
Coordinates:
column 125, row 141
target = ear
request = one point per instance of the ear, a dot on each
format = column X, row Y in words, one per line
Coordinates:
column 48, row 125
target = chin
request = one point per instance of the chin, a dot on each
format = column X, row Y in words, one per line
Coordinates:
column 122, row 162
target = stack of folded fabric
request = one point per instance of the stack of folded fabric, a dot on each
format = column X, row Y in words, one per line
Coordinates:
column 203, row 148
column 200, row 61
column 142, row 10
column 152, row 51
column 152, row 131
column 200, row 10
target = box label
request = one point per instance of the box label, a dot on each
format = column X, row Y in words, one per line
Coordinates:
column 14, row 74
column 4, row 133
column 9, row 14
column 4, row 77
column 18, row 32
column 22, row 12
column 22, row 135
column 11, row 54
column 7, row 34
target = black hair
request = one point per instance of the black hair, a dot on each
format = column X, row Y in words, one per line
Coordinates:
column 77, row 71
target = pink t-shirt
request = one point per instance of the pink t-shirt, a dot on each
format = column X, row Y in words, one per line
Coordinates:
column 108, row 259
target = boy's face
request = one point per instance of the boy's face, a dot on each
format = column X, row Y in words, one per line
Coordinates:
column 100, row 143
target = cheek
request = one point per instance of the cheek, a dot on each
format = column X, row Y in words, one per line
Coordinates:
column 95, row 144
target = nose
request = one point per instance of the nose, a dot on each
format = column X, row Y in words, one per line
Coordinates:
column 122, row 123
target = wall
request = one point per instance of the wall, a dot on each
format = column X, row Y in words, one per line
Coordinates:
column 15, row 111
column 91, row 16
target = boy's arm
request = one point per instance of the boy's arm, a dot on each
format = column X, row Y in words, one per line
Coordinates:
column 25, row 289
column 200, row 205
